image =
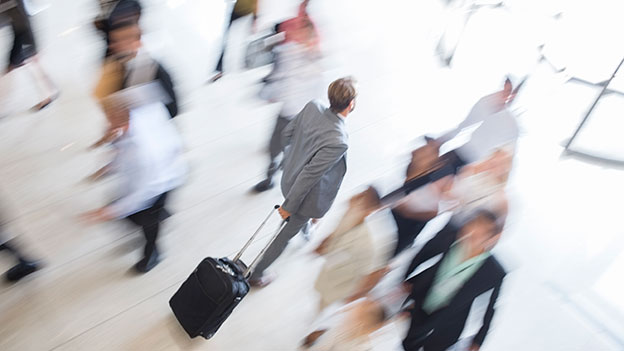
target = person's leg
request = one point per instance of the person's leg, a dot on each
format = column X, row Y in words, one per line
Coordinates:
column 149, row 220
column 291, row 229
column 275, row 149
column 24, row 266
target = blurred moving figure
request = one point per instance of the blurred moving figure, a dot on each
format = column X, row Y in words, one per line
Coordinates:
column 494, row 126
column 148, row 160
column 113, row 12
column 420, row 206
column 148, row 147
column 24, row 50
column 441, row 296
column 316, row 143
column 348, row 328
column 241, row 9
column 353, row 251
column 131, row 68
column 295, row 80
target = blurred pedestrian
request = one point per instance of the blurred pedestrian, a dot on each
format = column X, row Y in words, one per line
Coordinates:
column 420, row 206
column 352, row 251
column 348, row 328
column 148, row 160
column 494, row 126
column 242, row 8
column 132, row 69
column 24, row 50
column 442, row 295
column 295, row 80
column 314, row 165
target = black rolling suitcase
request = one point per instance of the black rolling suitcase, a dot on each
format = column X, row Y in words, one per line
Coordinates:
column 210, row 294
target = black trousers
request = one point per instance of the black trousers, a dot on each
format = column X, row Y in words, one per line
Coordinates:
column 408, row 230
column 149, row 219
column 8, row 246
column 23, row 39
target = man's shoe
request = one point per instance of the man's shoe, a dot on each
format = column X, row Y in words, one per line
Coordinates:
column 264, row 185
column 21, row 270
column 147, row 263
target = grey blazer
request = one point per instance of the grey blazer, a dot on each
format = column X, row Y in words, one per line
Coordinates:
column 315, row 143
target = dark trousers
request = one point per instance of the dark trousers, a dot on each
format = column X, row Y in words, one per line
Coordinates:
column 8, row 246
column 275, row 146
column 233, row 18
column 149, row 219
column 23, row 38
column 408, row 230
column 414, row 340
column 294, row 225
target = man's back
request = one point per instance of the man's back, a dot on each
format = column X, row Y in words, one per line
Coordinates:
column 314, row 162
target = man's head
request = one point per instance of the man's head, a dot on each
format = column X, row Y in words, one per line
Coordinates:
column 342, row 93
column 481, row 232
column 423, row 159
column 125, row 39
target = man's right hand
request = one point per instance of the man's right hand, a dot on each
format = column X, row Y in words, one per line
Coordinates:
column 285, row 214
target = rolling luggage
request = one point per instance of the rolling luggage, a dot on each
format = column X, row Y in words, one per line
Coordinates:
column 210, row 294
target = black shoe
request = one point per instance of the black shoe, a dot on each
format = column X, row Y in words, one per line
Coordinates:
column 147, row 263
column 21, row 270
column 264, row 185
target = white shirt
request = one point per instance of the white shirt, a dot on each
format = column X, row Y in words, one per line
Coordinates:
column 494, row 129
column 148, row 160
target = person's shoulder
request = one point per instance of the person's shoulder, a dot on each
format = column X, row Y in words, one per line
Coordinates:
column 496, row 267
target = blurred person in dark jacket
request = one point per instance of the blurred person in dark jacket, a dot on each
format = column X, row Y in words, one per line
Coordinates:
column 441, row 296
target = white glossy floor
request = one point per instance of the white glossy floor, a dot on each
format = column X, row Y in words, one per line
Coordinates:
column 563, row 247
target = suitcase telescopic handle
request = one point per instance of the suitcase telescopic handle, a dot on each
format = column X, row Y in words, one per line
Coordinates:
column 240, row 253
column 266, row 247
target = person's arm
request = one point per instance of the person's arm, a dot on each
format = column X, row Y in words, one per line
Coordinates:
column 487, row 319
column 311, row 173
column 470, row 120
column 423, row 216
column 367, row 283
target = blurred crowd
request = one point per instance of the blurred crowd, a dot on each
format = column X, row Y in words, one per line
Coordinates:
column 365, row 282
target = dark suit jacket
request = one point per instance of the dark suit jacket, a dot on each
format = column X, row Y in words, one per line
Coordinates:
column 448, row 322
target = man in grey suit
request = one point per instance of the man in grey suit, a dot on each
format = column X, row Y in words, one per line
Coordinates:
column 315, row 146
